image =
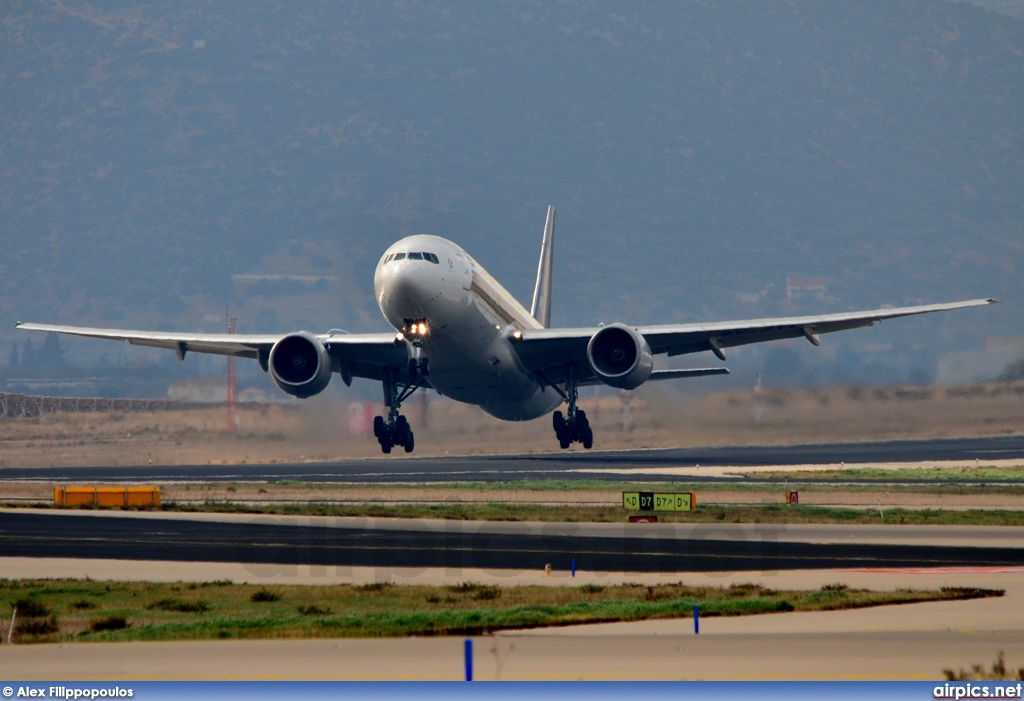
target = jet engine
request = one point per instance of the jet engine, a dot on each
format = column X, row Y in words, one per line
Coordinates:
column 620, row 357
column 300, row 365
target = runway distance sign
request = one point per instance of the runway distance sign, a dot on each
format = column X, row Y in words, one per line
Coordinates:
column 653, row 501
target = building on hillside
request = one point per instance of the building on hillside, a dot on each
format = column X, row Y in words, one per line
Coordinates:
column 805, row 287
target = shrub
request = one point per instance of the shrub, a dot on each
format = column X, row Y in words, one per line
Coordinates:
column 82, row 604
column 31, row 608
column 486, row 593
column 37, row 626
column 999, row 672
column 180, row 605
column 264, row 596
column 591, row 589
column 108, row 623
column 313, row 610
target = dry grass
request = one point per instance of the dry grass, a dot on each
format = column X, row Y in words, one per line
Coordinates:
column 319, row 429
column 178, row 611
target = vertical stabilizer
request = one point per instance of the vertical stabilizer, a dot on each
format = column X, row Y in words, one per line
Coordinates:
column 541, row 307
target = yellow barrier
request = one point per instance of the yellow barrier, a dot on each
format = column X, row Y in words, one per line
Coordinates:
column 106, row 496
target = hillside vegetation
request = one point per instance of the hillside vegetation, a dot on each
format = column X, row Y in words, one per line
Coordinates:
column 698, row 153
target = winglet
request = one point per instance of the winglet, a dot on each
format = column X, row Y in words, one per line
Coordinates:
column 541, row 307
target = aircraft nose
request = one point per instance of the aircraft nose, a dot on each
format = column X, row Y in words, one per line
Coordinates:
column 407, row 289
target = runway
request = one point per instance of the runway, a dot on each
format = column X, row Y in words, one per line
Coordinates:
column 454, row 545
column 634, row 465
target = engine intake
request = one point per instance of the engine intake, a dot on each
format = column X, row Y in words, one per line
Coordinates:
column 300, row 365
column 620, row 357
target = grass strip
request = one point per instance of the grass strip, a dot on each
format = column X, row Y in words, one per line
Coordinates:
column 85, row 610
column 707, row 513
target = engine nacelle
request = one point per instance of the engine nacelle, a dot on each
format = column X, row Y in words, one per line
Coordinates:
column 300, row 365
column 620, row 357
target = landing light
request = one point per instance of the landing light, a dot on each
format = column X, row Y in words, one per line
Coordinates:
column 518, row 335
column 421, row 328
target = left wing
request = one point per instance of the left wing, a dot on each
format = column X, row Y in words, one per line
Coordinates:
column 354, row 354
column 540, row 349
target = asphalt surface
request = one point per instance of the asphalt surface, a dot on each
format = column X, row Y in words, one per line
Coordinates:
column 573, row 464
column 455, row 546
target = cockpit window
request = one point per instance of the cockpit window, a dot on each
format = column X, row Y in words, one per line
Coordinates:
column 415, row 255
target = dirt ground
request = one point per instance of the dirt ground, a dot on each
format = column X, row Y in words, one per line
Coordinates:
column 258, row 493
column 653, row 417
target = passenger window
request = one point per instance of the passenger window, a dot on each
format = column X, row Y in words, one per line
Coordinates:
column 399, row 256
column 415, row 256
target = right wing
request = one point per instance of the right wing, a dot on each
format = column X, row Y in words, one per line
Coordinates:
column 547, row 350
column 364, row 355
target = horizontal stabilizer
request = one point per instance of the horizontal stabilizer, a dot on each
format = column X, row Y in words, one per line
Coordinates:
column 679, row 374
column 665, row 375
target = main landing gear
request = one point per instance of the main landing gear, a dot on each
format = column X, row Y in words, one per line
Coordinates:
column 573, row 428
column 395, row 430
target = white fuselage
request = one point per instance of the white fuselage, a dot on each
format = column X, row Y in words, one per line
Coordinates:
column 469, row 318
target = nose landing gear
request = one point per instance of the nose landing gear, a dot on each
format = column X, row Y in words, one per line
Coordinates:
column 395, row 430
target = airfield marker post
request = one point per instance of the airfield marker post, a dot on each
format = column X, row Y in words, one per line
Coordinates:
column 574, row 567
column 696, row 620
column 469, row 659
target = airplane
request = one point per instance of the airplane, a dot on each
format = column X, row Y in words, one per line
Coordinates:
column 459, row 332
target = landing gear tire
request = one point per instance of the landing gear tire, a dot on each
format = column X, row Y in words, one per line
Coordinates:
column 588, row 438
column 425, row 367
column 396, row 434
column 569, row 431
column 558, row 422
